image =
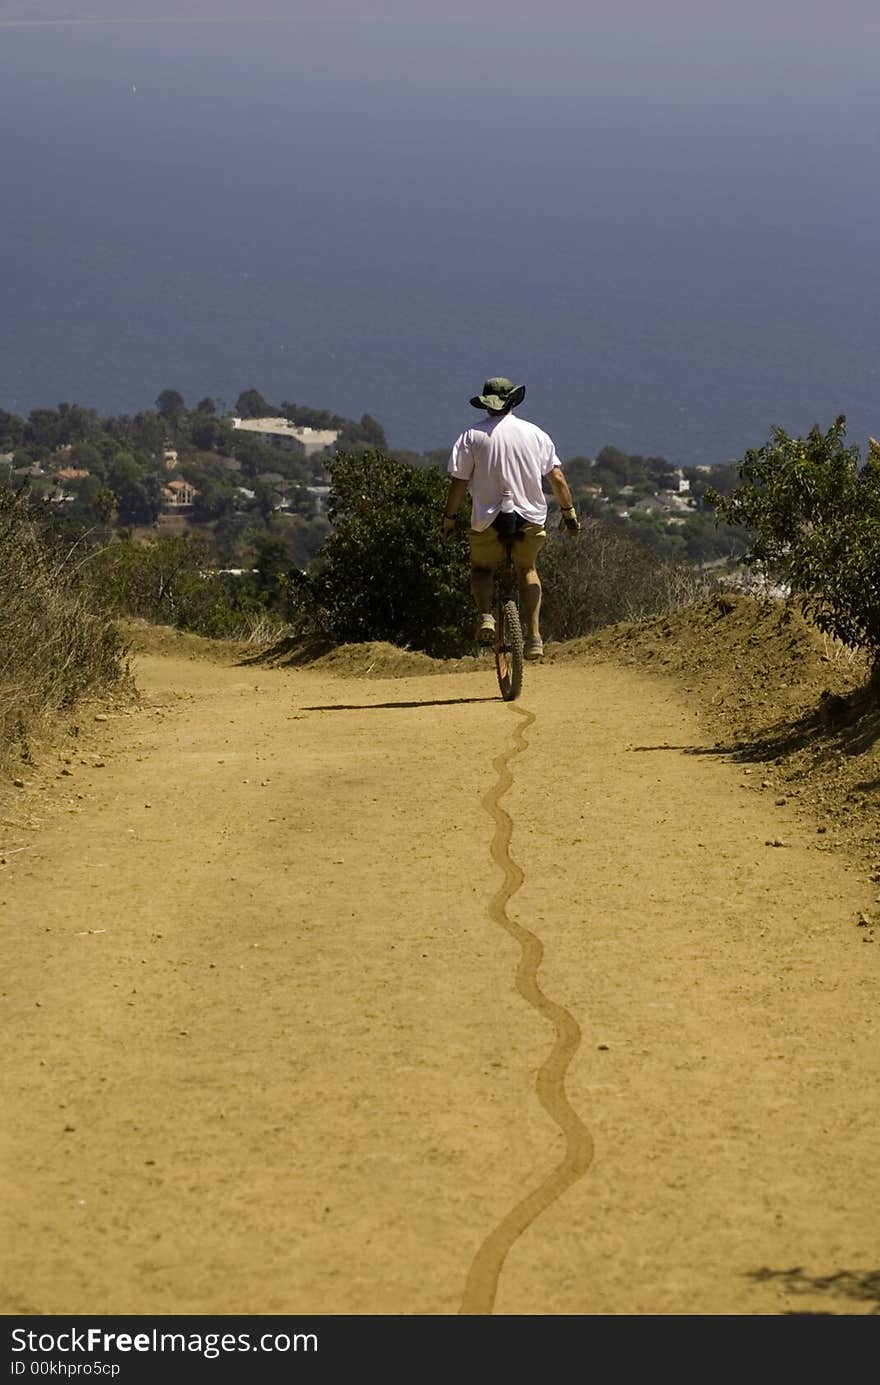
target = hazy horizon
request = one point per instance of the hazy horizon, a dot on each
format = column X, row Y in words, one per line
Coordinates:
column 662, row 224
column 746, row 13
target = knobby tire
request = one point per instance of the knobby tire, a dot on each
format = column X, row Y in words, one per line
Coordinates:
column 509, row 651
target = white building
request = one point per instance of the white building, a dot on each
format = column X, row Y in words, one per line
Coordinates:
column 280, row 432
column 675, row 480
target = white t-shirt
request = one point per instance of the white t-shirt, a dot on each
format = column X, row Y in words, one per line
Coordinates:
column 503, row 459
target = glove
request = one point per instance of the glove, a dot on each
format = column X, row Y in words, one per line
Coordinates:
column 448, row 528
column 570, row 521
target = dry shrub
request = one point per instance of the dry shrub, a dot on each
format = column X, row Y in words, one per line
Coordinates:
column 601, row 577
column 169, row 581
column 54, row 649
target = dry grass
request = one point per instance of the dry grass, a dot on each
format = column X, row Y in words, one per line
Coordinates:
column 603, row 577
column 54, row 650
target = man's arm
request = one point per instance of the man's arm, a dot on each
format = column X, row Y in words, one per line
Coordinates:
column 559, row 486
column 454, row 496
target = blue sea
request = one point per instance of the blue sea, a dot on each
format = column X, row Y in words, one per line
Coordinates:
column 670, row 236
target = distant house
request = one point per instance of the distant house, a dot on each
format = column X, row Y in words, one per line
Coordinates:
column 280, row 432
column 33, row 470
column 170, row 458
column 675, row 480
column 653, row 505
column 71, row 473
column 178, row 495
column 680, row 502
column 665, row 504
column 322, row 496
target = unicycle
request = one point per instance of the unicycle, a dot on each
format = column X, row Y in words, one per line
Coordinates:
column 509, row 642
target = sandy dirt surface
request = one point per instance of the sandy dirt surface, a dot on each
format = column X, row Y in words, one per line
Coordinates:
column 345, row 995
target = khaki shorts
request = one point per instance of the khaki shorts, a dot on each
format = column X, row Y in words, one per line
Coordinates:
column 487, row 550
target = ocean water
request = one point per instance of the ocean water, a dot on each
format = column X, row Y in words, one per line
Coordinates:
column 669, row 236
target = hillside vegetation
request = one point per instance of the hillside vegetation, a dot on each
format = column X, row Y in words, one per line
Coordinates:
column 257, row 497
column 790, row 685
column 55, row 647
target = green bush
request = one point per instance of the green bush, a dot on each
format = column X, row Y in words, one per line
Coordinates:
column 383, row 573
column 812, row 513
column 169, row 581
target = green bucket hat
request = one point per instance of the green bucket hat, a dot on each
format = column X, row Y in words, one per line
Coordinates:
column 499, row 394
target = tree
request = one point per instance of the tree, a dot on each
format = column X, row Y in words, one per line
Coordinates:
column 11, row 428
column 85, row 457
column 266, row 500
column 579, row 472
column 208, row 433
column 812, row 514
column 614, row 468
column 383, row 573
column 372, row 432
column 148, row 433
column 214, row 500
column 366, row 436
column 160, row 581
column 251, row 404
column 138, row 495
column 304, row 417
column 104, row 504
column 256, row 456
column 170, row 404
column 275, row 561
column 42, row 432
column 649, row 531
column 707, row 540
column 722, row 480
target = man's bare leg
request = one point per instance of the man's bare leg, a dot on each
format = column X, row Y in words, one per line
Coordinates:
column 481, row 587
column 530, row 592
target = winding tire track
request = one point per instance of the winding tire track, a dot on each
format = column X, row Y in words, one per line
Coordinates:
column 482, row 1281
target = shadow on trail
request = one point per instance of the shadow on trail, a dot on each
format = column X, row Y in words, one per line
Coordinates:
column 289, row 650
column 838, row 726
column 378, row 706
column 862, row 1285
column 643, row 749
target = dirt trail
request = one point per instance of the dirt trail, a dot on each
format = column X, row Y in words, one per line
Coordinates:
column 351, row 996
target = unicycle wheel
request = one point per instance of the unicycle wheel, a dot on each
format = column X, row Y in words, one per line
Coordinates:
column 509, row 651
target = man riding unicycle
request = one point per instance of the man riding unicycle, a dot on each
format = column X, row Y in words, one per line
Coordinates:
column 502, row 461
